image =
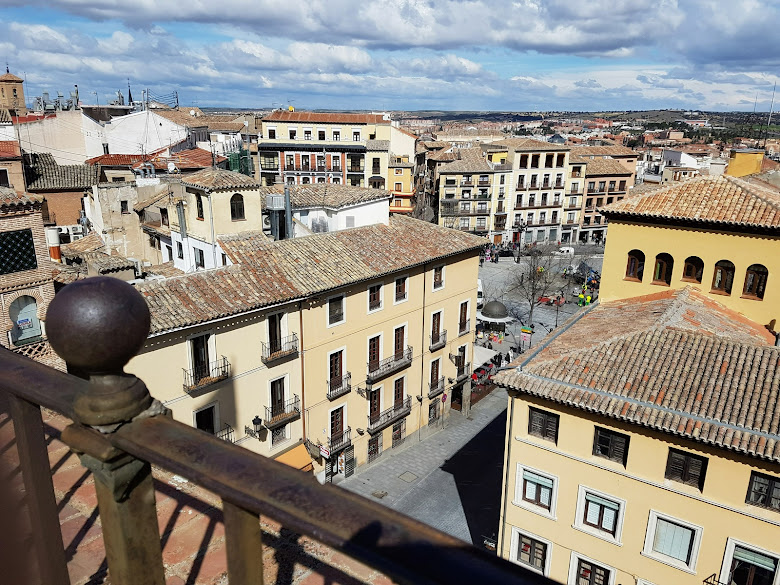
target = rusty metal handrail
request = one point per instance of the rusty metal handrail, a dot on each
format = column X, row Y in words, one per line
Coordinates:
column 120, row 431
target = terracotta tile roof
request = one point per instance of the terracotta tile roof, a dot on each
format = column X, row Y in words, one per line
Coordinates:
column 705, row 200
column 604, row 166
column 468, row 160
column 117, row 160
column 527, row 145
column 66, row 274
column 615, row 150
column 10, row 77
column 161, row 192
column 325, row 195
column 104, row 264
column 166, row 270
column 5, row 116
column 271, row 272
column 676, row 362
column 216, row 179
column 442, row 156
column 193, row 158
column 10, row 198
column 10, row 149
column 325, row 118
column 92, row 242
column 46, row 175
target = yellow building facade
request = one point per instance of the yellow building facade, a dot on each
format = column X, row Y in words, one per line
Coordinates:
column 745, row 161
column 321, row 351
column 728, row 248
column 645, row 455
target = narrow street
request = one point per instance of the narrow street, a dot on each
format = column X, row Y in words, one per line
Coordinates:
column 452, row 479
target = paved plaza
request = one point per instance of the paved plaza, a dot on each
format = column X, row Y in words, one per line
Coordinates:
column 451, row 480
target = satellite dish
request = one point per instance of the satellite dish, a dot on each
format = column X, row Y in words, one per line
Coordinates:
column 192, row 112
column 171, row 167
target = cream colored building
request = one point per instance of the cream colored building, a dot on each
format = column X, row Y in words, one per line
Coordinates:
column 466, row 192
column 301, row 148
column 720, row 235
column 336, row 345
column 647, row 455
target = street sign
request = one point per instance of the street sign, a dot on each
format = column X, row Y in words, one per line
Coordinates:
column 526, row 330
column 324, row 452
column 525, row 337
column 444, row 398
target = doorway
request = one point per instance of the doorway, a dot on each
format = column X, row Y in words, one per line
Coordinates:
column 200, row 358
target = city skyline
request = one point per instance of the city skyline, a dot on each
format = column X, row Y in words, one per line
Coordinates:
column 403, row 55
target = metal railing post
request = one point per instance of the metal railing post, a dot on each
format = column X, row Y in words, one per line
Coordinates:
column 96, row 325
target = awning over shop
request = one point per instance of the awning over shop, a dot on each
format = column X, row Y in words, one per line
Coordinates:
column 482, row 355
column 297, row 458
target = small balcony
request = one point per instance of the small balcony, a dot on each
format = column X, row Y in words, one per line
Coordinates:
column 463, row 372
column 464, row 327
column 384, row 419
column 380, row 369
column 355, row 168
column 339, row 386
column 467, row 183
column 226, row 434
column 289, row 168
column 438, row 340
column 436, row 387
column 340, row 442
column 558, row 185
column 283, row 413
column 483, row 183
column 205, row 375
column 279, row 349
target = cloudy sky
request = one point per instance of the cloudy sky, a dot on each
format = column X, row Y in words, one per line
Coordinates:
column 522, row 55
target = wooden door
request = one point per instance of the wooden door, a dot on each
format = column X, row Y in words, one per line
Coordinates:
column 398, row 343
column 373, row 353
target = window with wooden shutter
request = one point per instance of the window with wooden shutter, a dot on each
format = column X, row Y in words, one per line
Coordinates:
column 686, row 468
column 610, row 445
column 543, row 424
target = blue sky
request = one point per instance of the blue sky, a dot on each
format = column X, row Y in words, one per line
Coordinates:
column 520, row 55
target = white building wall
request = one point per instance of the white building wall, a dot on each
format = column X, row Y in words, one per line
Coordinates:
column 70, row 136
column 142, row 132
column 401, row 143
column 363, row 214
column 212, row 255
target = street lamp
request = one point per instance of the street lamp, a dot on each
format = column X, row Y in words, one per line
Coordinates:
column 519, row 226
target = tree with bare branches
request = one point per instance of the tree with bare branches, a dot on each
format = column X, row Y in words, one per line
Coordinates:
column 538, row 276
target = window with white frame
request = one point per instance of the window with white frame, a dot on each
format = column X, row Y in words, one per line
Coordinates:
column 585, row 571
column 336, row 313
column 749, row 564
column 599, row 514
column 374, row 297
column 672, row 541
column 530, row 551
column 536, row 491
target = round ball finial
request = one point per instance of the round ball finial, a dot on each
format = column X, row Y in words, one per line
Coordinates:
column 98, row 324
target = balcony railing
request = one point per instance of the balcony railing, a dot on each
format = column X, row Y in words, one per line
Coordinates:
column 384, row 419
column 438, row 340
column 380, row 369
column 204, row 375
column 355, row 168
column 226, row 434
column 483, row 183
column 463, row 372
column 339, row 386
column 464, row 327
column 278, row 415
column 467, row 183
column 247, row 483
column 436, row 387
column 279, row 349
column 339, row 442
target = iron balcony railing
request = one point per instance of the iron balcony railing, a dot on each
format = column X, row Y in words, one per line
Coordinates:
column 462, row 372
column 438, row 340
column 134, row 433
column 340, row 442
column 436, row 387
column 278, row 415
column 226, row 434
column 382, row 420
column 204, row 375
column 279, row 348
column 464, row 327
column 380, row 369
column 339, row 386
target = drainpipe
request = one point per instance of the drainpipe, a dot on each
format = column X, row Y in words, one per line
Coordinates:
column 502, row 519
column 303, row 394
column 422, row 359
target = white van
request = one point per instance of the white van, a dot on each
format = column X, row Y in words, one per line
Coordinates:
column 564, row 253
column 480, row 295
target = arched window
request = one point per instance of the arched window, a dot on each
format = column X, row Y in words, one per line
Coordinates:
column 662, row 273
column 237, row 207
column 755, row 281
column 693, row 269
column 24, row 316
column 635, row 268
column 723, row 277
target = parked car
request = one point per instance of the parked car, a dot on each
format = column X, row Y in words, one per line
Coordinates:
column 564, row 252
